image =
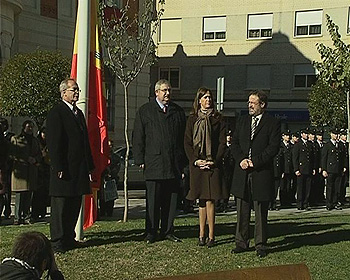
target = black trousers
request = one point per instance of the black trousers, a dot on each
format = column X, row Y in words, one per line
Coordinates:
column 286, row 190
column 244, row 206
column 333, row 189
column 161, row 202
column 64, row 216
column 303, row 190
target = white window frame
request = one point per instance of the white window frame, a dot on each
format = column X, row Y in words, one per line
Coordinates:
column 259, row 23
column 215, row 26
column 308, row 20
column 168, row 78
column 303, row 71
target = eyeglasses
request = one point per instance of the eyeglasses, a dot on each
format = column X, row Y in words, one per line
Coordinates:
column 74, row 90
column 165, row 90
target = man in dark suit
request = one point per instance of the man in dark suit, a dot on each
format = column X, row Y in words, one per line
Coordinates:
column 158, row 149
column 71, row 162
column 319, row 178
column 256, row 141
column 333, row 167
column 304, row 169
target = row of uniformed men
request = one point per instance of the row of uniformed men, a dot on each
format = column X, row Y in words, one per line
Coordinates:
column 305, row 166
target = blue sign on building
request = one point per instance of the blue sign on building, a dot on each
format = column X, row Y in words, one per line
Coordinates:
column 290, row 116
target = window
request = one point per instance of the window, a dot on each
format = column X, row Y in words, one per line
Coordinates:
column 304, row 76
column 214, row 28
column 258, row 76
column 308, row 23
column 170, row 30
column 260, row 26
column 172, row 74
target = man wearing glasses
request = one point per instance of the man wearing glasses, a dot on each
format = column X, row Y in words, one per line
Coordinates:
column 71, row 162
column 255, row 142
column 158, row 139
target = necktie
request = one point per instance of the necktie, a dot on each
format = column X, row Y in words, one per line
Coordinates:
column 252, row 132
column 164, row 109
column 75, row 111
column 253, row 127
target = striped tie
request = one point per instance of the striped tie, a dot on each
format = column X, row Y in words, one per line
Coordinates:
column 252, row 132
column 253, row 128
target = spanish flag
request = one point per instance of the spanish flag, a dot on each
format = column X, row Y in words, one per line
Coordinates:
column 97, row 113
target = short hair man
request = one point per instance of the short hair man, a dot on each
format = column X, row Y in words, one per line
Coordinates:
column 158, row 149
column 71, row 162
column 333, row 167
column 31, row 256
column 256, row 140
column 304, row 169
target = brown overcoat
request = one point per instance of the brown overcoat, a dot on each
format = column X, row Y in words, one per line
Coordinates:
column 206, row 184
column 24, row 175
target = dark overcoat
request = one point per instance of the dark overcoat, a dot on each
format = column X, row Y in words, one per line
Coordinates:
column 24, row 174
column 286, row 158
column 206, row 184
column 69, row 151
column 158, row 141
column 333, row 158
column 265, row 146
column 303, row 157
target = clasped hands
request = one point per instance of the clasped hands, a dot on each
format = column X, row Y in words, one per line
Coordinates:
column 246, row 163
column 204, row 164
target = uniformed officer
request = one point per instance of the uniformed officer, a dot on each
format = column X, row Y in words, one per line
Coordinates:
column 303, row 164
column 316, row 157
column 286, row 192
column 277, row 173
column 319, row 178
column 332, row 169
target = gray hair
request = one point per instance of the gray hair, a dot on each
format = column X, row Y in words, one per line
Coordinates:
column 64, row 84
column 161, row 82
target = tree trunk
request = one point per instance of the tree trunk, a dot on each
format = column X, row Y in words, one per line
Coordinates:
column 126, row 162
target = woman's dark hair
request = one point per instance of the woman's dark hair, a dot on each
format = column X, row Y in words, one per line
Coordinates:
column 200, row 93
column 33, row 247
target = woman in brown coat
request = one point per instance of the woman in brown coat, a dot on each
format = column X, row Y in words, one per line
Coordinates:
column 205, row 146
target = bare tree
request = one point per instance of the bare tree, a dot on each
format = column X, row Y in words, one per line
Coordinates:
column 128, row 41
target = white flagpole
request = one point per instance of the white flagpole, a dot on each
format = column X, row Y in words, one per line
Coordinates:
column 83, row 60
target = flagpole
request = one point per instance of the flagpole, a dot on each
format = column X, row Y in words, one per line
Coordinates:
column 83, row 80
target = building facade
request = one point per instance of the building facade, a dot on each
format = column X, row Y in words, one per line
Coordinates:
column 27, row 25
column 268, row 45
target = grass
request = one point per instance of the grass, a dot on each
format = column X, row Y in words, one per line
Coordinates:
column 114, row 250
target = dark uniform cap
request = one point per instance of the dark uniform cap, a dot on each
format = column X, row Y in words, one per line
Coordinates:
column 295, row 134
column 304, row 130
column 343, row 132
column 311, row 130
column 319, row 132
column 334, row 130
column 286, row 132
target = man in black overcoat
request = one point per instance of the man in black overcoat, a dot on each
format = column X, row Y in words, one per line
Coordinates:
column 256, row 141
column 158, row 139
column 304, row 169
column 71, row 163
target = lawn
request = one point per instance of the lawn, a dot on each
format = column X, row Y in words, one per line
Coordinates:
column 116, row 250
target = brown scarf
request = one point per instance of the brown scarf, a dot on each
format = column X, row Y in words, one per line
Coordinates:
column 202, row 134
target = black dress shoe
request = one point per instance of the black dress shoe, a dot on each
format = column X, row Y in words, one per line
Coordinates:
column 211, row 243
column 172, row 237
column 238, row 250
column 337, row 207
column 149, row 239
column 261, row 253
column 202, row 241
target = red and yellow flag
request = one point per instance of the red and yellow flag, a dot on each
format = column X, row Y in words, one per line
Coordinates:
column 97, row 114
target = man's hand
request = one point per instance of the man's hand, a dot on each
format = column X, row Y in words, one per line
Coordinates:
column 324, row 173
column 142, row 166
column 298, row 173
column 246, row 163
column 314, row 172
column 60, row 174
